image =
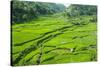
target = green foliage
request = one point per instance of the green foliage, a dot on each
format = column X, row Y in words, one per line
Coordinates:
column 52, row 38
column 78, row 10
column 25, row 10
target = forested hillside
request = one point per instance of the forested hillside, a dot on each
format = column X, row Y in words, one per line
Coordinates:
column 79, row 10
column 50, row 33
column 76, row 12
column 23, row 11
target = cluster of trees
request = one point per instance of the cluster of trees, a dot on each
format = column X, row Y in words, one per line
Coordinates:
column 76, row 12
column 26, row 10
column 79, row 10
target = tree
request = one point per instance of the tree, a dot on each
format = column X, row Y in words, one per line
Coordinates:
column 25, row 10
column 77, row 10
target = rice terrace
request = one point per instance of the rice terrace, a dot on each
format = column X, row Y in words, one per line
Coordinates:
column 52, row 33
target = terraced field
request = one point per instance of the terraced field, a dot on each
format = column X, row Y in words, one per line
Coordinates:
column 54, row 39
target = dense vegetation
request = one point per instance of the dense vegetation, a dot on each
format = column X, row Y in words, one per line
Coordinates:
column 23, row 11
column 79, row 10
column 74, row 11
column 53, row 34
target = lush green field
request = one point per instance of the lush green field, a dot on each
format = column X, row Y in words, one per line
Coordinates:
column 54, row 39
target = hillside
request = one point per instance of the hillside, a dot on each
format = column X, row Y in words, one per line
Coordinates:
column 55, row 38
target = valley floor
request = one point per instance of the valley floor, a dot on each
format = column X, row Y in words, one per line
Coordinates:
column 54, row 39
